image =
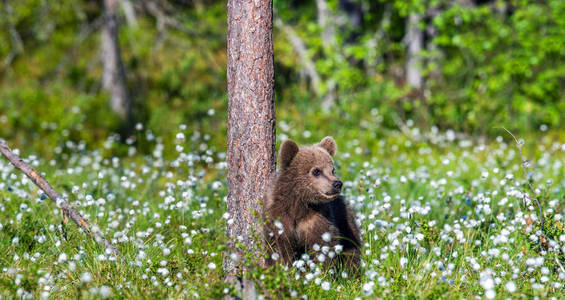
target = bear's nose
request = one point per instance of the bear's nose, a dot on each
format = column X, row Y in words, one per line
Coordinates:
column 337, row 185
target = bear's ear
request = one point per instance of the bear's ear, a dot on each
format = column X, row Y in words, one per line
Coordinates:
column 288, row 150
column 328, row 143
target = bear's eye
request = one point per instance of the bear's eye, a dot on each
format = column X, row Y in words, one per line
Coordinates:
column 316, row 172
column 333, row 171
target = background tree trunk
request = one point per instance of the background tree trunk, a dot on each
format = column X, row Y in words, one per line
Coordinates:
column 113, row 78
column 324, row 21
column 251, row 120
column 433, row 52
column 414, row 40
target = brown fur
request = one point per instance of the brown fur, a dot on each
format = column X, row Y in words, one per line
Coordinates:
column 308, row 206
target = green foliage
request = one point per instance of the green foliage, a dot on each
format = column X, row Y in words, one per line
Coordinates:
column 486, row 65
column 509, row 66
column 494, row 63
column 39, row 118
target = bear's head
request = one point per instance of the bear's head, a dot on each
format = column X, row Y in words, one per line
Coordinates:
column 310, row 170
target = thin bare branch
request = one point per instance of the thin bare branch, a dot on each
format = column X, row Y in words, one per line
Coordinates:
column 67, row 209
column 129, row 12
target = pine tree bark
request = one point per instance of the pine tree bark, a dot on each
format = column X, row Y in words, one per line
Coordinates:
column 114, row 78
column 251, row 122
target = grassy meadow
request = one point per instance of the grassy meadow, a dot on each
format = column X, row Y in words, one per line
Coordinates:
column 443, row 215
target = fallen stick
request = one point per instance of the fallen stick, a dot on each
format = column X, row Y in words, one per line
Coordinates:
column 68, row 210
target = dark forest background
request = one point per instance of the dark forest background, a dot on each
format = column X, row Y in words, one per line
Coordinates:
column 454, row 64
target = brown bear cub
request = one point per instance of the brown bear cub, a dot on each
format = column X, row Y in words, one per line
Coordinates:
column 305, row 212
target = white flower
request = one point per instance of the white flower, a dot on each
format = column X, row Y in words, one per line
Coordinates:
column 45, row 295
column 105, row 291
column 275, row 256
column 234, row 257
column 403, row 261
column 487, row 283
column 163, row 271
column 212, row 266
column 490, row 294
column 85, row 277
column 494, row 252
column 510, row 286
column 62, row 258
column 216, row 185
column 368, row 288
column 326, row 237
column 326, row 286
column 338, row 248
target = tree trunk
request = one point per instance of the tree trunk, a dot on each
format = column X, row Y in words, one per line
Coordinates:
column 251, row 122
column 414, row 39
column 433, row 52
column 113, row 78
column 375, row 44
column 326, row 21
column 324, row 16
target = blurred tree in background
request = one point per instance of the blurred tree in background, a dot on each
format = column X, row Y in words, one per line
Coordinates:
column 462, row 64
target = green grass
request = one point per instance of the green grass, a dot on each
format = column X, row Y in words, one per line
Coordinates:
column 435, row 224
